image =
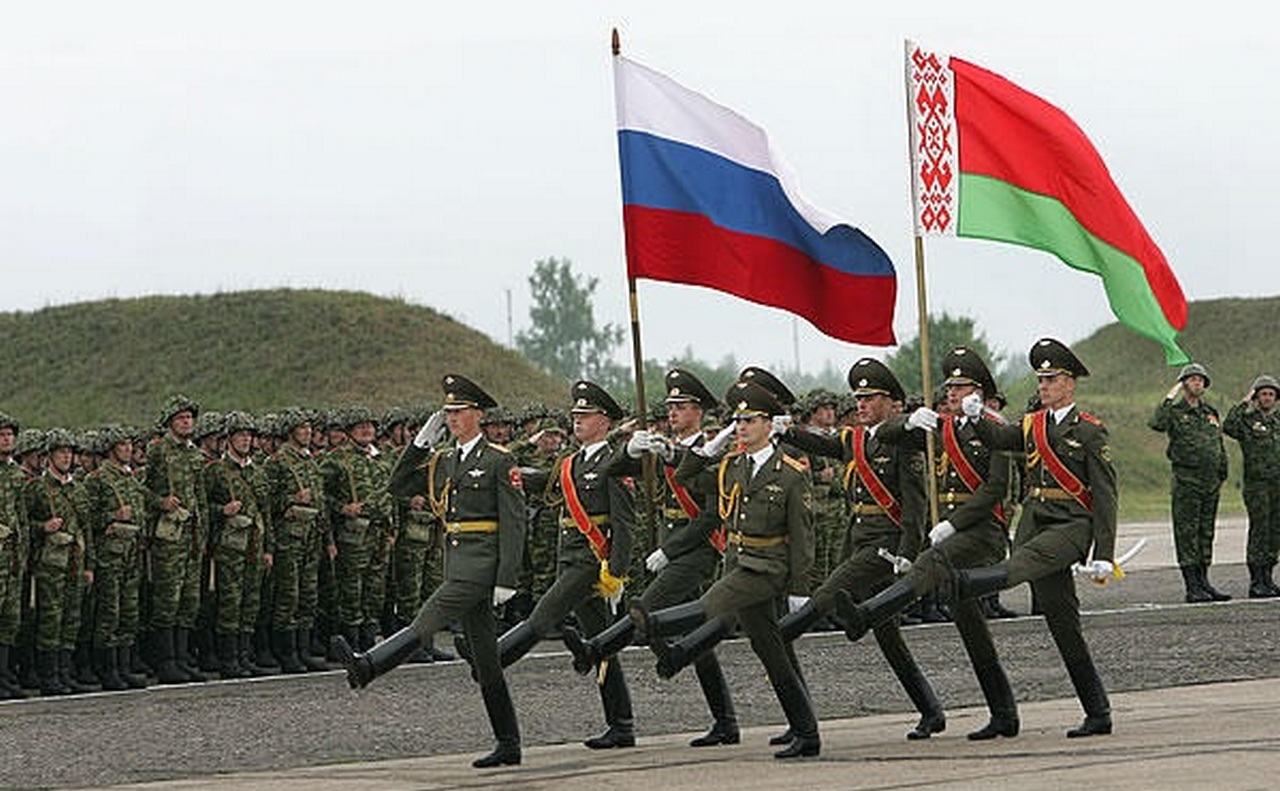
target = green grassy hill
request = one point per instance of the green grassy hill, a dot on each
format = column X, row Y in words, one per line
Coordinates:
column 1128, row 378
column 117, row 360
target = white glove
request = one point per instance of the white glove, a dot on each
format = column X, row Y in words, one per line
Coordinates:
column 1174, row 391
column 780, row 425
column 972, row 404
column 433, row 432
column 901, row 565
column 794, row 603
column 1099, row 570
column 715, row 448
column 924, row 418
column 616, row 601
column 639, row 443
column 941, row 532
column 501, row 595
column 656, row 561
column 661, row 446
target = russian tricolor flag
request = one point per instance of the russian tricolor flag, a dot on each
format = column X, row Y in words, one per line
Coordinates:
column 706, row 202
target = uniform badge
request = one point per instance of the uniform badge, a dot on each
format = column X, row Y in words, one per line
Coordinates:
column 476, row 473
column 590, row 476
column 516, row 480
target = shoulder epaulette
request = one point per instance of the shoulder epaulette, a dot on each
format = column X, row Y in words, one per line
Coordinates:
column 501, row 448
column 1090, row 418
column 795, row 464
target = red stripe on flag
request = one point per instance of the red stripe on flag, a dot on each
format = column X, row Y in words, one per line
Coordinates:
column 681, row 247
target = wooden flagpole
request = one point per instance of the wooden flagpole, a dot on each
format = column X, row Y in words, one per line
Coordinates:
column 647, row 461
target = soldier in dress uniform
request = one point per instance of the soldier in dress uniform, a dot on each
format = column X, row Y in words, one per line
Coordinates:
column 690, row 551
column 1199, row 462
column 973, row 530
column 1070, row 507
column 884, row 484
column 475, row 488
column 763, row 497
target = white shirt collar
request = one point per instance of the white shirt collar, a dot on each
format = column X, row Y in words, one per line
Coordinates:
column 1060, row 414
column 470, row 444
column 591, row 450
column 761, row 456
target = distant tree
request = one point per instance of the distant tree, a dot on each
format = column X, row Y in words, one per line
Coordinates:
column 945, row 333
column 564, row 339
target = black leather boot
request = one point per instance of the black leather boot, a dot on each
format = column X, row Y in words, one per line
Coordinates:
column 803, row 729
column 47, row 671
column 794, row 624
column 974, row 583
column 10, row 689
column 1195, row 587
column 167, row 669
column 182, row 655
column 228, row 653
column 1267, row 577
column 724, row 730
column 1093, row 698
column 1213, row 592
column 675, row 656
column 858, row 618
column 285, row 647
column 932, row 718
column 1000, row 702
column 311, row 660
column 616, row 701
column 506, row 730
column 587, row 653
column 124, row 661
column 67, row 675
column 248, row 656
column 1258, row 588
column 108, row 669
column 362, row 668
column 667, row 621
column 516, row 642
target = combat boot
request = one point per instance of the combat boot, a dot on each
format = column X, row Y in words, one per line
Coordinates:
column 1000, row 702
column 588, row 653
column 167, row 669
column 124, row 663
column 1194, row 583
column 724, row 730
column 314, row 662
column 228, row 653
column 82, row 667
column 1258, row 588
column 66, row 674
column 47, row 672
column 506, row 730
column 182, row 655
column 1269, row 580
column 248, row 656
column 263, row 656
column 286, row 652
column 675, row 656
column 362, row 668
column 1214, row 593
column 10, row 689
column 108, row 672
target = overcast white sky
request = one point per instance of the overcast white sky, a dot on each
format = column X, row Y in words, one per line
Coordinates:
column 435, row 150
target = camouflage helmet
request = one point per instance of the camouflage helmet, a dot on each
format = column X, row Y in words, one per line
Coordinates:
column 532, row 411
column 268, row 424
column 111, row 435
column 1266, row 381
column 9, row 421
column 175, row 404
column 395, row 415
column 289, row 419
column 87, row 441
column 59, row 438
column 498, row 415
column 1193, row 369
column 30, row 440
column 207, row 425
column 238, row 421
column 355, row 415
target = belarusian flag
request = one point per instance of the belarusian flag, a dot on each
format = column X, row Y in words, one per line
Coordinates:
column 992, row 161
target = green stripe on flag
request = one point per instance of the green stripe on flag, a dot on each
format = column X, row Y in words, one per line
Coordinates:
column 994, row 209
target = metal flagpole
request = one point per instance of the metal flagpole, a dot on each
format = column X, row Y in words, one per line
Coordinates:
column 648, row 461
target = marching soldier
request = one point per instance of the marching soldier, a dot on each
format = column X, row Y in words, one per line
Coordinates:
column 1255, row 423
column 15, row 542
column 971, row 481
column 1070, row 507
column 763, row 497
column 1199, row 463
column 596, row 525
column 117, row 508
column 176, row 533
column 474, row 487
column 884, row 483
column 62, row 563
column 690, row 552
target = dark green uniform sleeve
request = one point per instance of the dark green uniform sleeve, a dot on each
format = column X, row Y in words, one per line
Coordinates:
column 800, row 539
column 511, row 521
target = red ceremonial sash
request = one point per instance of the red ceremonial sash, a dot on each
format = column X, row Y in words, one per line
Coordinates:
column 599, row 544
column 879, row 492
column 1065, row 478
column 681, row 494
column 970, row 476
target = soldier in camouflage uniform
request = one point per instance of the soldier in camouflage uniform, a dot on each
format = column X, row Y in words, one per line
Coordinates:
column 819, row 416
column 536, row 455
column 62, row 562
column 1199, row 462
column 241, row 543
column 117, row 510
column 15, row 542
column 360, row 509
column 295, row 488
column 1255, row 424
column 176, row 541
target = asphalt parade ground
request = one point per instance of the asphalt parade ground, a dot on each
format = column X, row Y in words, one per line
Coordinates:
column 1194, row 691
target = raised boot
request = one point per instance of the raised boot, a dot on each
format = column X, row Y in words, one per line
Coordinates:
column 587, row 653
column 1214, row 593
column 670, row 620
column 124, row 663
column 794, row 624
column 1000, row 702
column 363, row 668
column 285, row 647
column 516, row 642
column 975, row 583
column 108, row 669
column 724, row 730
column 675, row 656
column 506, row 730
column 615, row 698
column 47, row 671
column 803, row 725
column 1194, row 583
column 858, row 618
column 1093, row 699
